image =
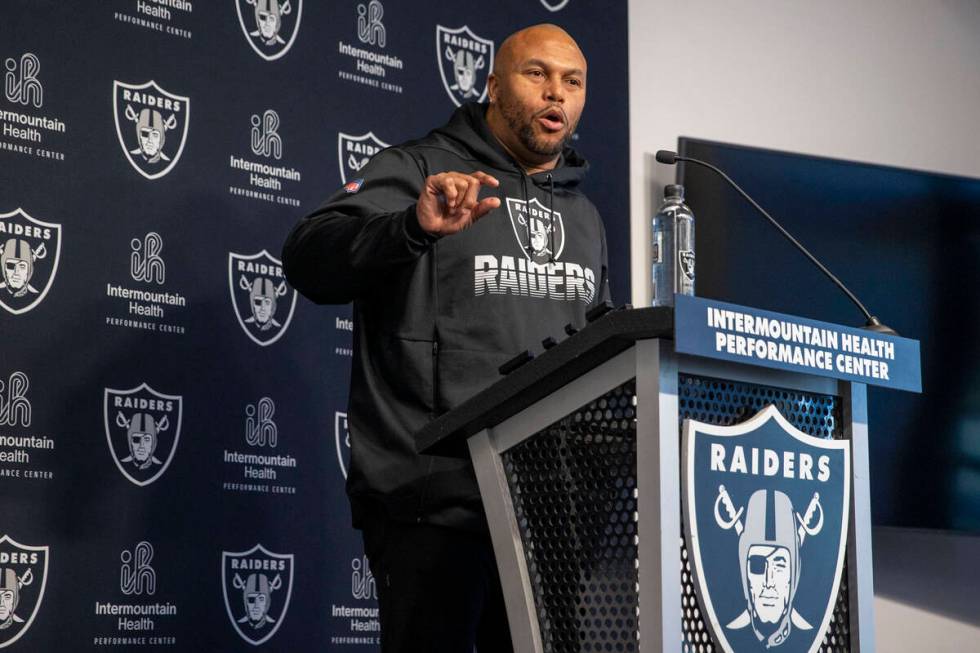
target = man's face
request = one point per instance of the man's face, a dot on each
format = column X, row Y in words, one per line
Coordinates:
column 262, row 308
column 542, row 94
column 149, row 141
column 257, row 604
column 268, row 23
column 770, row 576
column 6, row 604
column 141, row 445
column 16, row 271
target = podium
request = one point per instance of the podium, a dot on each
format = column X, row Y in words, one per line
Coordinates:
column 580, row 457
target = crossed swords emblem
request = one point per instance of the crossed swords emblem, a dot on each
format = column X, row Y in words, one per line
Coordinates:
column 806, row 526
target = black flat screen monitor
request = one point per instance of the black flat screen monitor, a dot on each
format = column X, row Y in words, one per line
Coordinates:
column 907, row 244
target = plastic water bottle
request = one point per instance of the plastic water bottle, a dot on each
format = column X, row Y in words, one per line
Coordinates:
column 673, row 248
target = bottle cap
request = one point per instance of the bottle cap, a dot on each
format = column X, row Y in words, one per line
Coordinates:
column 674, row 191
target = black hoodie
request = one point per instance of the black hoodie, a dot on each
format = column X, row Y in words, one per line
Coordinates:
column 434, row 318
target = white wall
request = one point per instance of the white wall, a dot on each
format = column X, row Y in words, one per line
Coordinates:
column 895, row 82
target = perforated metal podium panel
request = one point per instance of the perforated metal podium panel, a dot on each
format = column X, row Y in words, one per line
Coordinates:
column 573, row 487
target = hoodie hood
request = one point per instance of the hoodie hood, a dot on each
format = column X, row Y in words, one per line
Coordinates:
column 468, row 127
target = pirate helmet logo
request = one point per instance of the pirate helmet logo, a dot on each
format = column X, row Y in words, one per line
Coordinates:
column 29, row 253
column 142, row 428
column 342, row 441
column 257, row 586
column 270, row 26
column 23, row 577
column 353, row 152
column 465, row 60
column 151, row 124
column 748, row 543
column 263, row 301
column 539, row 231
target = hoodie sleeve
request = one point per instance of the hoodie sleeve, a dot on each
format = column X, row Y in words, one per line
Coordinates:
column 336, row 253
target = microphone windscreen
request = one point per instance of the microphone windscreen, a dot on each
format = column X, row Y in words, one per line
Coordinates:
column 666, row 156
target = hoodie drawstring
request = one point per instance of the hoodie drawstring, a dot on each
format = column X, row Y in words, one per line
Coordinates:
column 551, row 218
column 527, row 219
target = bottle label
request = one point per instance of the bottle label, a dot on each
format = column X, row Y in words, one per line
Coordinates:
column 685, row 258
column 658, row 247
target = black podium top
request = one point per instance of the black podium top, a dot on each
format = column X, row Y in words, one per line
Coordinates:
column 599, row 341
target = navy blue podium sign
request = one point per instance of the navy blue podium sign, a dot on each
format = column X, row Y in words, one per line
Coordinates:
column 766, row 510
column 714, row 329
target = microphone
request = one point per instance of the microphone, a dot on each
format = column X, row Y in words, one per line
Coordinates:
column 872, row 323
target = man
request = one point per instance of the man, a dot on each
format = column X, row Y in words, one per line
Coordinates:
column 435, row 248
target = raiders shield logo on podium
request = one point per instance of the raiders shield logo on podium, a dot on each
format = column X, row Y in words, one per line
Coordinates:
column 766, row 511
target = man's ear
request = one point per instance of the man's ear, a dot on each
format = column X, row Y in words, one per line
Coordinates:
column 492, row 87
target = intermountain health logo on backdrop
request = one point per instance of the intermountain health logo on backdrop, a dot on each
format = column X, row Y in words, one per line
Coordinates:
column 554, row 5
column 29, row 253
column 151, row 124
column 170, row 17
column 341, row 433
column 142, row 427
column 263, row 467
column 371, row 63
column 24, row 128
column 23, row 576
column 136, row 616
column 270, row 26
column 145, row 301
column 257, row 586
column 262, row 300
column 358, row 623
column 353, row 153
column 20, row 449
column 766, row 520
column 465, row 60
column 266, row 178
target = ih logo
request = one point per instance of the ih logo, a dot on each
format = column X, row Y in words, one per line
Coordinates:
column 145, row 263
column 151, row 124
column 465, row 60
column 262, row 300
column 766, row 518
column 342, row 440
column 370, row 29
column 266, row 140
column 260, row 430
column 539, row 231
column 20, row 82
column 362, row 583
column 15, row 407
column 30, row 253
column 554, row 5
column 23, row 576
column 142, row 427
column 353, row 152
column 257, row 585
column 270, row 26
column 136, row 575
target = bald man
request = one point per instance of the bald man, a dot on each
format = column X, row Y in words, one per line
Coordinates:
column 458, row 250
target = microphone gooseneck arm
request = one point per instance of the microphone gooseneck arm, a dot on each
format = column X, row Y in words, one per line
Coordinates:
column 873, row 323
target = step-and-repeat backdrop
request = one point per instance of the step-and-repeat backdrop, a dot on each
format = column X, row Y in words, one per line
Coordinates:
column 173, row 439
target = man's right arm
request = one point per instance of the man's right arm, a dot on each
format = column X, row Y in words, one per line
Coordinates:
column 354, row 238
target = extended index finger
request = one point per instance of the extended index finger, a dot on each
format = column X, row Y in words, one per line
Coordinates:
column 485, row 179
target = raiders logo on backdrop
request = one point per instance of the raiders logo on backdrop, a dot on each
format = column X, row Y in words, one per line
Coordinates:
column 540, row 233
column 554, row 5
column 151, row 124
column 465, row 60
column 29, row 253
column 262, row 300
column 257, row 586
column 142, row 427
column 270, row 26
column 23, row 576
column 353, row 153
column 342, row 440
column 766, row 520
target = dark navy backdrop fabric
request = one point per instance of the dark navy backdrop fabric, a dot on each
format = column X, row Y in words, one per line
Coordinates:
column 252, row 499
